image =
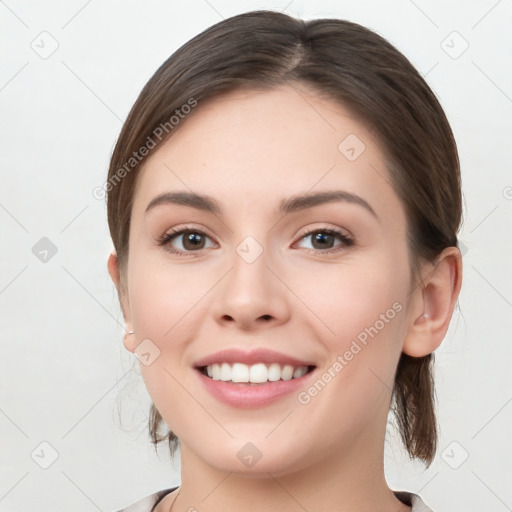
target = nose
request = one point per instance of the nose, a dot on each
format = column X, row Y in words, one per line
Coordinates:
column 252, row 296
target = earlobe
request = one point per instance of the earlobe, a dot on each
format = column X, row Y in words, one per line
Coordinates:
column 129, row 341
column 433, row 304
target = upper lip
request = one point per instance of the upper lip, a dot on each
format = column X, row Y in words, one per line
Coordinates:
column 250, row 357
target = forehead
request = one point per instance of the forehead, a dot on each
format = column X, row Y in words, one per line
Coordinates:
column 256, row 144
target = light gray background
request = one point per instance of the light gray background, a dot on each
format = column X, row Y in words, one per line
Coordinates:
column 63, row 367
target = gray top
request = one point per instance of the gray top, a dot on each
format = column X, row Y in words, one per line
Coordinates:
column 149, row 503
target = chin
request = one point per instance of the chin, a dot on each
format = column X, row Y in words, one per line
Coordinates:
column 254, row 458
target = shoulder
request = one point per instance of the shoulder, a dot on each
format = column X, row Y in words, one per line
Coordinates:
column 148, row 503
column 412, row 499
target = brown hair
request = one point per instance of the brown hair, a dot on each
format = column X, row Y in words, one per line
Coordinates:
column 348, row 64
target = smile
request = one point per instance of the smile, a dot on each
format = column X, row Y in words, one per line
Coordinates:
column 255, row 373
column 256, row 378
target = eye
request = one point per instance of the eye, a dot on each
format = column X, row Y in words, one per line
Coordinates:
column 323, row 238
column 193, row 240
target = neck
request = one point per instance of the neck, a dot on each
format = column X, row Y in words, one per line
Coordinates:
column 348, row 479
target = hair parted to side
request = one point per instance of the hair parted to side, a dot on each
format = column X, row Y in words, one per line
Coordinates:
column 348, row 64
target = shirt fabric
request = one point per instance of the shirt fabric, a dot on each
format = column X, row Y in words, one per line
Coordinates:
column 149, row 503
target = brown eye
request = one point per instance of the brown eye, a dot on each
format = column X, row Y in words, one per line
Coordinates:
column 190, row 240
column 323, row 240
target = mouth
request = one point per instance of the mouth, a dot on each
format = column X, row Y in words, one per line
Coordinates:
column 258, row 373
column 256, row 378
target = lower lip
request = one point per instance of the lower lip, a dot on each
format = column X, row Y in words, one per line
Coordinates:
column 247, row 396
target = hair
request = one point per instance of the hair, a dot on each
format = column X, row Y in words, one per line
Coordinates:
column 346, row 63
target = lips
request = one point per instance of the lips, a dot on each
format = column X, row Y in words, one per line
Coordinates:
column 251, row 357
column 252, row 378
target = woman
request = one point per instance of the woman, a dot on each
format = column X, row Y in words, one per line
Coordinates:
column 284, row 200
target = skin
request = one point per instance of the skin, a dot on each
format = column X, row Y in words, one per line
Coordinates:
column 249, row 150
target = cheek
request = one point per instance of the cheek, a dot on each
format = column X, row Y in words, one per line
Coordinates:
column 163, row 296
column 360, row 322
column 354, row 385
column 347, row 299
column 167, row 312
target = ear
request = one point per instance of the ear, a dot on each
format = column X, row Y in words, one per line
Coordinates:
column 432, row 304
column 113, row 270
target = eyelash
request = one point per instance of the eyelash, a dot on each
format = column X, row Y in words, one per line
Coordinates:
column 174, row 233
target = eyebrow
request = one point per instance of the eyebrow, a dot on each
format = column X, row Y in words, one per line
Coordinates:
column 289, row 205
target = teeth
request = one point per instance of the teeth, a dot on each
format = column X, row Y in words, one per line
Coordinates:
column 299, row 372
column 225, row 372
column 239, row 373
column 256, row 373
column 287, row 372
column 214, row 369
column 274, row 372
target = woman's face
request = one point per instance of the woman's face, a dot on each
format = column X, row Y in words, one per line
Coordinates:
column 269, row 284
